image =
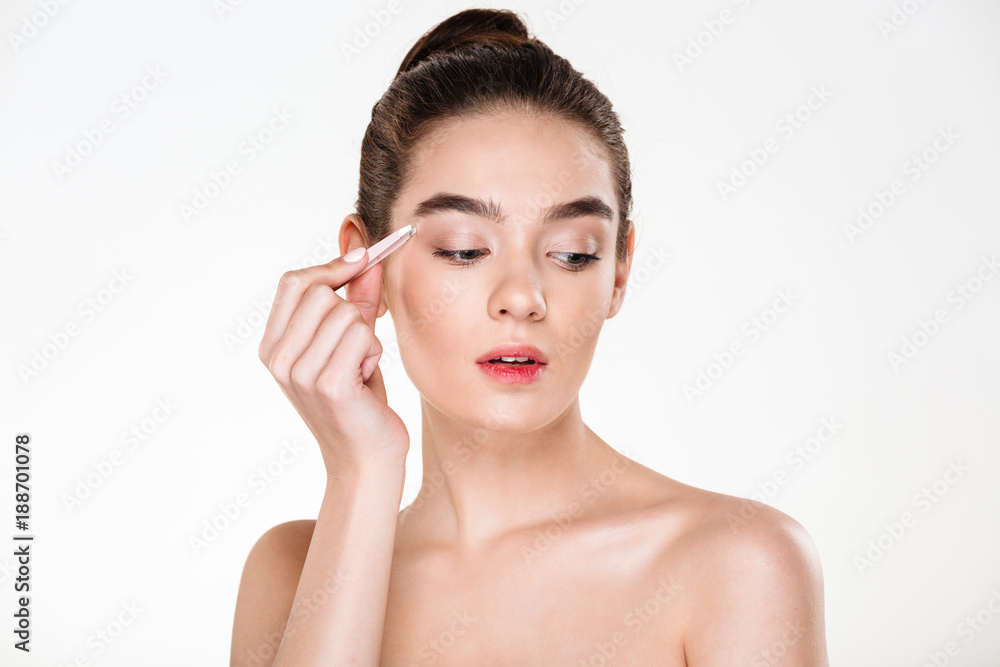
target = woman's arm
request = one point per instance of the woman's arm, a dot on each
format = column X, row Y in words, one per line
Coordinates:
column 323, row 353
column 339, row 608
column 320, row 599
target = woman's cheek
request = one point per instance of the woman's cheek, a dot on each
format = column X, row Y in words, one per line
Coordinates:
column 427, row 316
column 579, row 328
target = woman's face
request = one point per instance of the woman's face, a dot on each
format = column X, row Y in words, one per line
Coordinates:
column 466, row 282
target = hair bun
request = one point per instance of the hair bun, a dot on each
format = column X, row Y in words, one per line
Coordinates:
column 472, row 27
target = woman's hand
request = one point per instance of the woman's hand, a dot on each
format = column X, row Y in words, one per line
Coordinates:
column 322, row 351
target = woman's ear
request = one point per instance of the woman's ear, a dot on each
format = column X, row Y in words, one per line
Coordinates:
column 353, row 235
column 622, row 270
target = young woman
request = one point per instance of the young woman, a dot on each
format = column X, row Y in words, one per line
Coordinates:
column 531, row 541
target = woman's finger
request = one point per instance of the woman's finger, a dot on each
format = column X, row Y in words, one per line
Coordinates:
column 291, row 287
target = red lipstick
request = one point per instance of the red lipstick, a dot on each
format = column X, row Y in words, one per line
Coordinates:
column 513, row 363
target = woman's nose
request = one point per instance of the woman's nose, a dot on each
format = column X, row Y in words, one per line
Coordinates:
column 518, row 293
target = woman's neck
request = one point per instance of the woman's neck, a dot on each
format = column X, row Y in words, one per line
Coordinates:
column 480, row 484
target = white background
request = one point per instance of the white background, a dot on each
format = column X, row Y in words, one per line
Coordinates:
column 162, row 336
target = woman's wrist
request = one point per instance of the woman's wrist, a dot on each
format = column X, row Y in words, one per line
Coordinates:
column 359, row 477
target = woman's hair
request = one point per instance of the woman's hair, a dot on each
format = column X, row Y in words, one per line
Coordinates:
column 477, row 62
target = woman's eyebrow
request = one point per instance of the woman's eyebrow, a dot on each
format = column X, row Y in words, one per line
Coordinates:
column 447, row 201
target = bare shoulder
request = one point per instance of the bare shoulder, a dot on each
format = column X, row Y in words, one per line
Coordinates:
column 735, row 530
column 754, row 578
column 267, row 588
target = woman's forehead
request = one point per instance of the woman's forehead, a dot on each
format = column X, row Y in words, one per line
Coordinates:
column 505, row 131
column 525, row 162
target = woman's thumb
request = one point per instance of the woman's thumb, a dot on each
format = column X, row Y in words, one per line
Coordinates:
column 365, row 292
column 376, row 384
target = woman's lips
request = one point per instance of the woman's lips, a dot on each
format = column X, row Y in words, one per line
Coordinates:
column 507, row 373
column 514, row 349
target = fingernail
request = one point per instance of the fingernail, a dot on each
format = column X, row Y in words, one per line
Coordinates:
column 354, row 255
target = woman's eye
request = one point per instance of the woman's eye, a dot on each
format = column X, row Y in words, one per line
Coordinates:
column 575, row 261
column 458, row 257
column 582, row 260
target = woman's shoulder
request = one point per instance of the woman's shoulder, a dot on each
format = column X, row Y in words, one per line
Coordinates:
column 295, row 529
column 281, row 551
column 275, row 561
column 286, row 541
column 267, row 589
column 694, row 517
column 731, row 522
column 727, row 531
column 743, row 565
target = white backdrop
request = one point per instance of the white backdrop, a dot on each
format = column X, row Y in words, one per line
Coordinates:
column 815, row 184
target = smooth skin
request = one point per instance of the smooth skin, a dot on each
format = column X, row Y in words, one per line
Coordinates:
column 532, row 541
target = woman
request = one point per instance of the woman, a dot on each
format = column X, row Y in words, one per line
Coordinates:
column 531, row 541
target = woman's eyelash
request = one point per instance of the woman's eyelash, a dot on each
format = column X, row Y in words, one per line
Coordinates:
column 453, row 257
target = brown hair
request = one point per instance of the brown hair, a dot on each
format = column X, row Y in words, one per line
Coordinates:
column 478, row 61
